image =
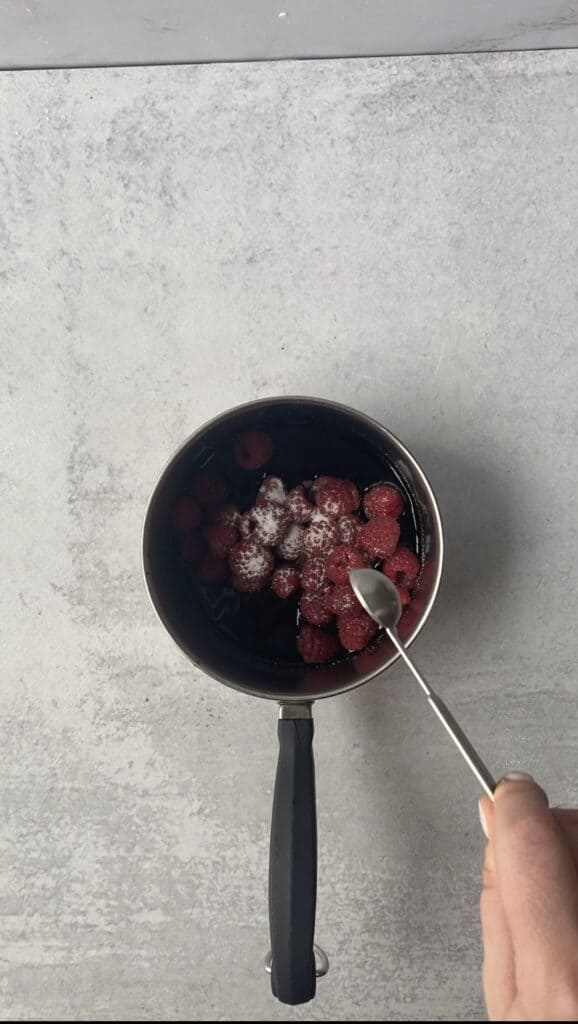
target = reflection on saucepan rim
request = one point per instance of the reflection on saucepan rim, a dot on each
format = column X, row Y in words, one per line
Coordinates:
column 247, row 638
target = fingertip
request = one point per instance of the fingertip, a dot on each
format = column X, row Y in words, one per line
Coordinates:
column 519, row 784
column 516, row 777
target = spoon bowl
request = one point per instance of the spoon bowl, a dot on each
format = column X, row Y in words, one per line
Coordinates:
column 378, row 595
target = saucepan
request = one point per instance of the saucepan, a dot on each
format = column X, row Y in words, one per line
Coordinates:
column 246, row 641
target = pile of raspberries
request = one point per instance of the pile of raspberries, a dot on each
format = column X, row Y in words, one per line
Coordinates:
column 304, row 541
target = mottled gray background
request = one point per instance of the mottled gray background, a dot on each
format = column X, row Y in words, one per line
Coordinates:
column 400, row 235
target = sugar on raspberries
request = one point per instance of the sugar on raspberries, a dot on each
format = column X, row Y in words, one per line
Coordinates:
column 315, row 645
column 348, row 529
column 342, row 560
column 383, row 500
column 314, row 485
column 226, row 515
column 336, row 498
column 251, row 565
column 320, row 536
column 356, row 630
column 290, row 546
column 253, row 449
column 313, row 608
column 299, row 508
column 314, row 576
column 269, row 522
column 285, row 581
column 272, row 489
column 248, row 584
column 303, row 541
column 341, row 600
column 245, row 528
column 379, row 536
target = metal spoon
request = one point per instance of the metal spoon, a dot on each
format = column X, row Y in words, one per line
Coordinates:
column 380, row 598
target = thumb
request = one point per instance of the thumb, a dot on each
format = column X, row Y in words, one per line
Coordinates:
column 499, row 966
column 537, row 881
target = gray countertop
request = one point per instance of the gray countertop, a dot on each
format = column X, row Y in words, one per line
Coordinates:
column 400, row 235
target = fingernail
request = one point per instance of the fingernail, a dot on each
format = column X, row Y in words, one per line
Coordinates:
column 483, row 821
column 516, row 777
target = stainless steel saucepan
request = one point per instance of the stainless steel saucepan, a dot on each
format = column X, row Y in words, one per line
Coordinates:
column 312, row 437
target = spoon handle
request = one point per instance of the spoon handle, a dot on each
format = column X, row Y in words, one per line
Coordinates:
column 469, row 754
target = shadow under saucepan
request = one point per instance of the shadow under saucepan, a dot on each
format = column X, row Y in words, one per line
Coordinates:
column 478, row 502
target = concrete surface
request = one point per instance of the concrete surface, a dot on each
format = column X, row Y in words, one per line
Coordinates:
column 80, row 33
column 401, row 235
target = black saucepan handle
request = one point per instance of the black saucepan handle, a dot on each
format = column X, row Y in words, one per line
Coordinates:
column 293, row 861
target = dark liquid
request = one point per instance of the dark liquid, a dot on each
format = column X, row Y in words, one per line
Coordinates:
column 261, row 623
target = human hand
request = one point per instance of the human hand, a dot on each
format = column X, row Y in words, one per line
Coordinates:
column 529, row 904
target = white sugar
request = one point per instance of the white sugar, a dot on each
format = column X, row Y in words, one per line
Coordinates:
column 273, row 489
column 292, row 543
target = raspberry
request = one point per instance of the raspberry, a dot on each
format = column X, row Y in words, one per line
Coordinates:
column 291, row 546
column 356, row 630
column 379, row 536
column 354, row 495
column 227, row 515
column 212, row 570
column 348, row 527
column 269, row 522
column 336, row 498
column 210, row 490
column 285, row 581
column 342, row 560
column 272, row 489
column 313, row 608
column 404, row 595
column 299, row 509
column 193, row 547
column 402, row 567
column 314, row 645
column 319, row 517
column 220, row 539
column 341, row 600
column 313, row 576
column 186, row 515
column 383, row 500
column 253, row 449
column 251, row 563
column 320, row 537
